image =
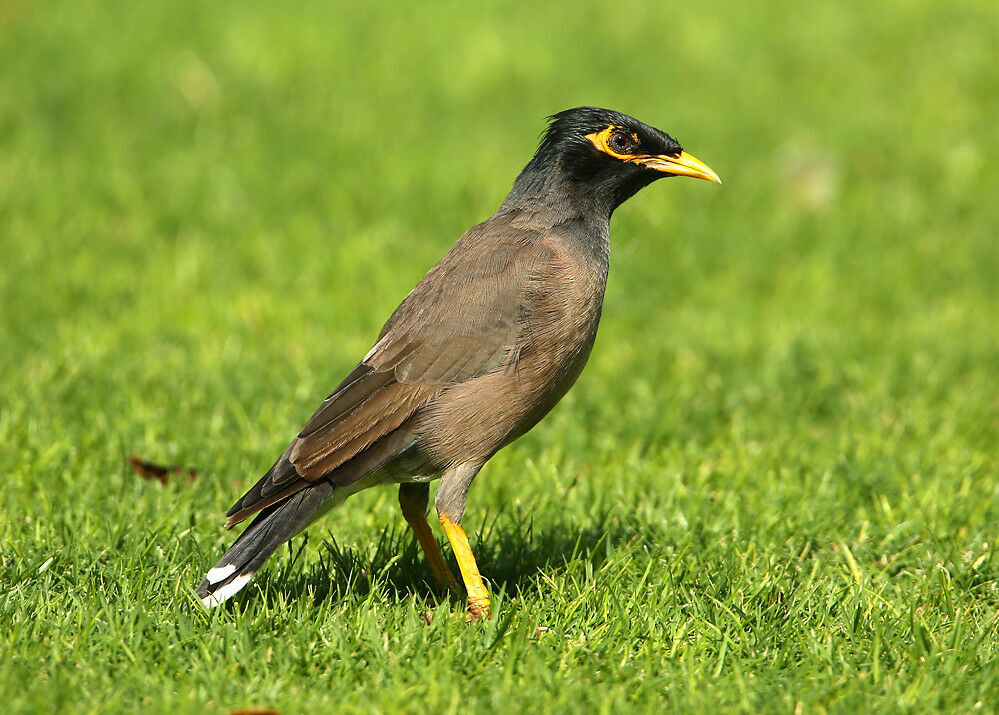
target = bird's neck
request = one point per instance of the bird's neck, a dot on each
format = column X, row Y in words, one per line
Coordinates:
column 549, row 201
column 544, row 184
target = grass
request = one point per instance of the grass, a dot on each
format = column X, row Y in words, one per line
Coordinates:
column 774, row 487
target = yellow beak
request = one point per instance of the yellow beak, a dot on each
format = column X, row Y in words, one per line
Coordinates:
column 682, row 164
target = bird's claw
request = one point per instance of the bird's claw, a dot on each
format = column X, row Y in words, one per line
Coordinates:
column 477, row 611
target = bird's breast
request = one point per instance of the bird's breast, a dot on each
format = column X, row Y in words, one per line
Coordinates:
column 473, row 419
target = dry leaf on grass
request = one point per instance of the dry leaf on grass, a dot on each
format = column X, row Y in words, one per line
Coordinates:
column 150, row 470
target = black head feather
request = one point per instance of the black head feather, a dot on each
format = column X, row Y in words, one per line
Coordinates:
column 568, row 167
column 567, row 131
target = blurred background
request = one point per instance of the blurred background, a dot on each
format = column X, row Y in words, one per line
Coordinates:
column 199, row 203
column 208, row 211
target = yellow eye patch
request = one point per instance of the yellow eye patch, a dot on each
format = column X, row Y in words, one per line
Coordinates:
column 601, row 140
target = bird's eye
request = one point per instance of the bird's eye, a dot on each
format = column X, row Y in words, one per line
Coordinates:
column 621, row 142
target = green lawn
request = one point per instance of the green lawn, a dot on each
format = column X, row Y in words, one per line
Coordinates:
column 775, row 487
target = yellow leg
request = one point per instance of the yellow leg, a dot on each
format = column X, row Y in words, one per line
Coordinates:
column 413, row 500
column 478, row 596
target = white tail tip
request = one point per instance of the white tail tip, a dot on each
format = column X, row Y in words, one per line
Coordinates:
column 226, row 592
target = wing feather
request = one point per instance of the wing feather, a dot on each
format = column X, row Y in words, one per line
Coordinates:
column 464, row 319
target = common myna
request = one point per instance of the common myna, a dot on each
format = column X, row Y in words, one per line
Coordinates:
column 480, row 350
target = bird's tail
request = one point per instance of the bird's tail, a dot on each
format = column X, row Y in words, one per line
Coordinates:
column 272, row 527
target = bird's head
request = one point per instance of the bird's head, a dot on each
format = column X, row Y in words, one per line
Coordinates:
column 608, row 156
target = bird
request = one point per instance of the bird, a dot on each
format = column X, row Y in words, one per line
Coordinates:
column 484, row 346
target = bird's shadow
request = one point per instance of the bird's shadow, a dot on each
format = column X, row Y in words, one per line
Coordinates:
column 511, row 554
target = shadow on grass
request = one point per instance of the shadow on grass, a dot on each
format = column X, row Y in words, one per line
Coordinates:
column 511, row 555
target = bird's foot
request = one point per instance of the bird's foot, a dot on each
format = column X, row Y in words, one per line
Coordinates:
column 478, row 610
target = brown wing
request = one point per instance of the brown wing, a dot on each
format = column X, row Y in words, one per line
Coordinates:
column 465, row 318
